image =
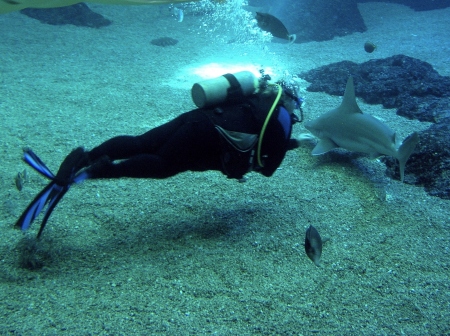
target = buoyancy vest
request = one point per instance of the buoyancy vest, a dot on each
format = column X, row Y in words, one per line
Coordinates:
column 239, row 127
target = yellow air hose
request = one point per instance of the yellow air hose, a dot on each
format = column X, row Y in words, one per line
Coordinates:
column 266, row 122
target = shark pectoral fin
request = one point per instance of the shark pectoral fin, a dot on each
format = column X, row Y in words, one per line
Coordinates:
column 324, row 145
column 405, row 150
column 374, row 155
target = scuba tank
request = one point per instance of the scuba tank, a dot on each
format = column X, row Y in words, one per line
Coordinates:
column 226, row 88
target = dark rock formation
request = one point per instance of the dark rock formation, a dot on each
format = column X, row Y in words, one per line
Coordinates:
column 418, row 92
column 402, row 82
column 316, row 20
column 320, row 20
column 79, row 15
column 418, row 5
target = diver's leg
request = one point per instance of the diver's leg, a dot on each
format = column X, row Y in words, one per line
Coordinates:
column 124, row 146
column 164, row 151
column 73, row 162
column 138, row 166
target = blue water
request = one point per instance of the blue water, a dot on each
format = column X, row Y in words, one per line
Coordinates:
column 198, row 253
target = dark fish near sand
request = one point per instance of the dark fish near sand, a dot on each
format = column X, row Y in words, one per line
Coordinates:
column 20, row 179
column 369, row 47
column 274, row 26
column 164, row 41
column 313, row 245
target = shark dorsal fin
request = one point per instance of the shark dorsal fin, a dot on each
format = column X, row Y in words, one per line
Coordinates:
column 349, row 105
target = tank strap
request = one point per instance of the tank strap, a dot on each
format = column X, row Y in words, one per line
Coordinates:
column 235, row 89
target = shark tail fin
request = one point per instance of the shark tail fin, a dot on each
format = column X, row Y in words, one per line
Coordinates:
column 405, row 150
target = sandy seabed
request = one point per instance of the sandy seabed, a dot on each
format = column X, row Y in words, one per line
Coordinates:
column 198, row 253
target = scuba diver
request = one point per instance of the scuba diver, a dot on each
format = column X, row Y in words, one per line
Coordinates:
column 242, row 124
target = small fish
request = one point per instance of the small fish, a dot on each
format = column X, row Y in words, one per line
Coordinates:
column 313, row 245
column 20, row 179
column 274, row 26
column 25, row 175
column 369, row 47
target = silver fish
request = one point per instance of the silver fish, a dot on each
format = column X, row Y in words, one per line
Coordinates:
column 20, row 179
column 313, row 245
column 274, row 26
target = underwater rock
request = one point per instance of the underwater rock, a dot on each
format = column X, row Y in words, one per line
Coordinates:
column 417, row 5
column 79, row 15
column 408, row 84
column 164, row 42
column 418, row 92
column 315, row 20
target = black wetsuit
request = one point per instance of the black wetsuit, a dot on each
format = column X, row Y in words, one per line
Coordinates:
column 226, row 138
column 199, row 140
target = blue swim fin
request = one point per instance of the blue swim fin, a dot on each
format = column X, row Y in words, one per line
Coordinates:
column 34, row 161
column 55, row 190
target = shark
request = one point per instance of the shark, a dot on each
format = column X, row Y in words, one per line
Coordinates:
column 349, row 128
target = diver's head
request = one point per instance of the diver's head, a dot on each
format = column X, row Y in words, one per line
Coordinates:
column 289, row 103
column 290, row 98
